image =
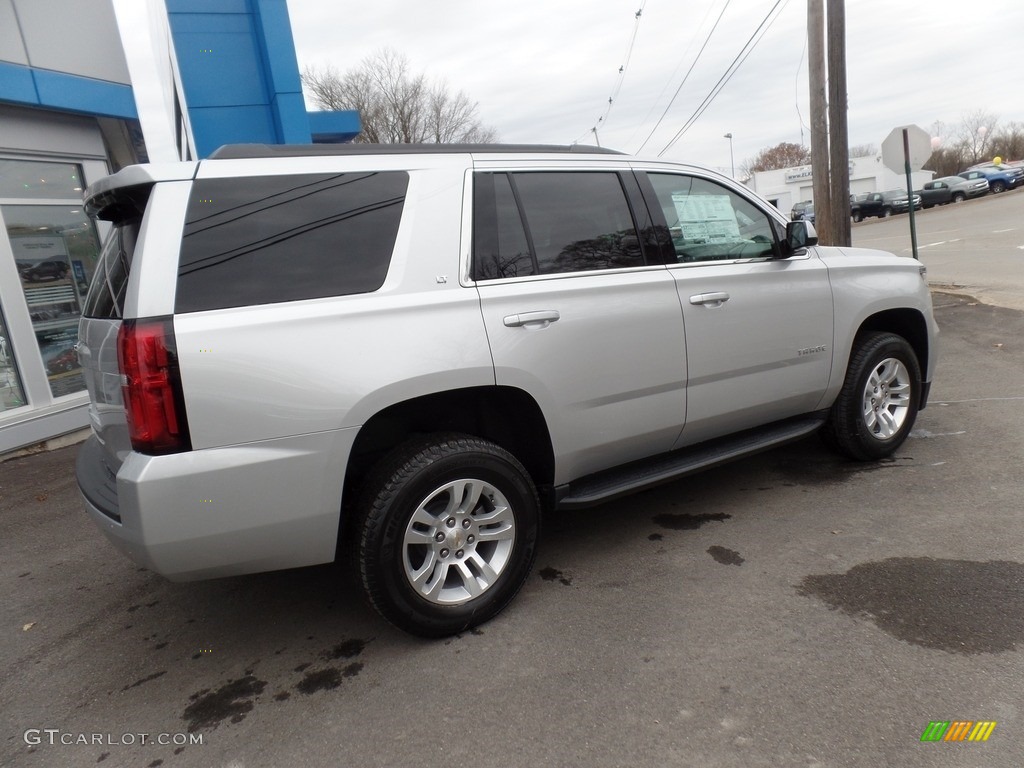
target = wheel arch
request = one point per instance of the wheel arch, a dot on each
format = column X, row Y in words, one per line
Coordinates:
column 904, row 321
column 506, row 416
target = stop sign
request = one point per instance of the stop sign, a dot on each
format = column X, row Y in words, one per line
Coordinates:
column 920, row 148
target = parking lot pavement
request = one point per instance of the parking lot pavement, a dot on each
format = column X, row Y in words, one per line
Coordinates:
column 792, row 609
column 976, row 246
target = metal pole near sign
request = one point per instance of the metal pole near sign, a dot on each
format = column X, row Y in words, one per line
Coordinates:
column 910, row 192
column 907, row 147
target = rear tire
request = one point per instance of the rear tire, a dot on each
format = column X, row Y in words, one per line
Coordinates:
column 878, row 403
column 448, row 534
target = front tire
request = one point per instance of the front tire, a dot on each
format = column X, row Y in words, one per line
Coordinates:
column 448, row 535
column 959, row 197
column 997, row 187
column 878, row 403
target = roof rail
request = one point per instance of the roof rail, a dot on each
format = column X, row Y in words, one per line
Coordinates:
column 240, row 151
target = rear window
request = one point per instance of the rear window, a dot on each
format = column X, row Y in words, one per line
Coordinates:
column 269, row 239
column 110, row 281
column 123, row 207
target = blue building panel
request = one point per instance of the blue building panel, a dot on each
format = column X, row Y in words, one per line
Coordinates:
column 219, row 59
column 208, row 6
column 335, row 127
column 290, row 118
column 278, row 46
column 17, row 84
column 239, row 72
column 60, row 91
column 215, row 126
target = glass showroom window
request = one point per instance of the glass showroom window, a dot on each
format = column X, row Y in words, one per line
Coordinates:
column 55, row 248
column 12, row 395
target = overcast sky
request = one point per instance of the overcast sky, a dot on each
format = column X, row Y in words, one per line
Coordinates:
column 543, row 71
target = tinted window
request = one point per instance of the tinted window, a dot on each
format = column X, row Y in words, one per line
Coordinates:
column 500, row 247
column 709, row 222
column 569, row 221
column 110, row 281
column 270, row 239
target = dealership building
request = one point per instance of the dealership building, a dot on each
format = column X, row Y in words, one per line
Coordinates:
column 217, row 72
column 786, row 186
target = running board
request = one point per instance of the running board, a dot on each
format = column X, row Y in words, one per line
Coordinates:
column 666, row 467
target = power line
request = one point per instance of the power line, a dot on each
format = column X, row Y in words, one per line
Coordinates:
column 796, row 92
column 745, row 51
column 621, row 76
column 685, row 77
column 624, row 67
column 671, row 78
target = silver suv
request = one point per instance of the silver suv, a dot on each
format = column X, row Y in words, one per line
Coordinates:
column 406, row 355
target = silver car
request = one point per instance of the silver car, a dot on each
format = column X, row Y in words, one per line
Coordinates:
column 405, row 356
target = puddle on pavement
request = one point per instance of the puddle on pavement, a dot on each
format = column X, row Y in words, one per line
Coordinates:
column 235, row 699
column 725, row 556
column 824, row 468
column 959, row 606
column 683, row 522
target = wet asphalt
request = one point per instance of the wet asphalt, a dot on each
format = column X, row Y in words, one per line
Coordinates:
column 791, row 609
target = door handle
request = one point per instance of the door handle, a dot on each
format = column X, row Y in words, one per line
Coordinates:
column 542, row 318
column 716, row 298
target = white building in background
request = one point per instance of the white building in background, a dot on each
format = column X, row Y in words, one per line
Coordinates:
column 786, row 186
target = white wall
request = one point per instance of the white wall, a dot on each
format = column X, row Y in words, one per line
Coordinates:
column 867, row 174
column 78, row 37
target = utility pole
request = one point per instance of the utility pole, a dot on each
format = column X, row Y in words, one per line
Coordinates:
column 839, row 144
column 819, row 121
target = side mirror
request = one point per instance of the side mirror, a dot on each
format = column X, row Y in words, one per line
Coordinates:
column 799, row 235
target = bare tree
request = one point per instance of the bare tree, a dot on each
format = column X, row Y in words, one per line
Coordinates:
column 1009, row 142
column 975, row 135
column 396, row 106
column 784, row 155
column 945, row 161
column 977, row 139
column 863, row 150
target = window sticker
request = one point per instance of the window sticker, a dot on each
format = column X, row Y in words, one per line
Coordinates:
column 706, row 218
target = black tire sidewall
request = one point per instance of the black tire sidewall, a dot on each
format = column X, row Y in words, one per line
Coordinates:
column 854, row 436
column 381, row 538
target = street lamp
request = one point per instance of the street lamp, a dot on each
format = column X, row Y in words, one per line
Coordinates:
column 732, row 162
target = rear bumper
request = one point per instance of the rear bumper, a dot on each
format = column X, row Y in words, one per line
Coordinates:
column 225, row 511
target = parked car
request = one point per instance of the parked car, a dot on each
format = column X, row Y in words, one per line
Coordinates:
column 999, row 178
column 881, row 204
column 951, row 189
column 406, row 355
column 802, row 210
column 65, row 360
column 45, row 270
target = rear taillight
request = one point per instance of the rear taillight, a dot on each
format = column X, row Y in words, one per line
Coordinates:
column 151, row 383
